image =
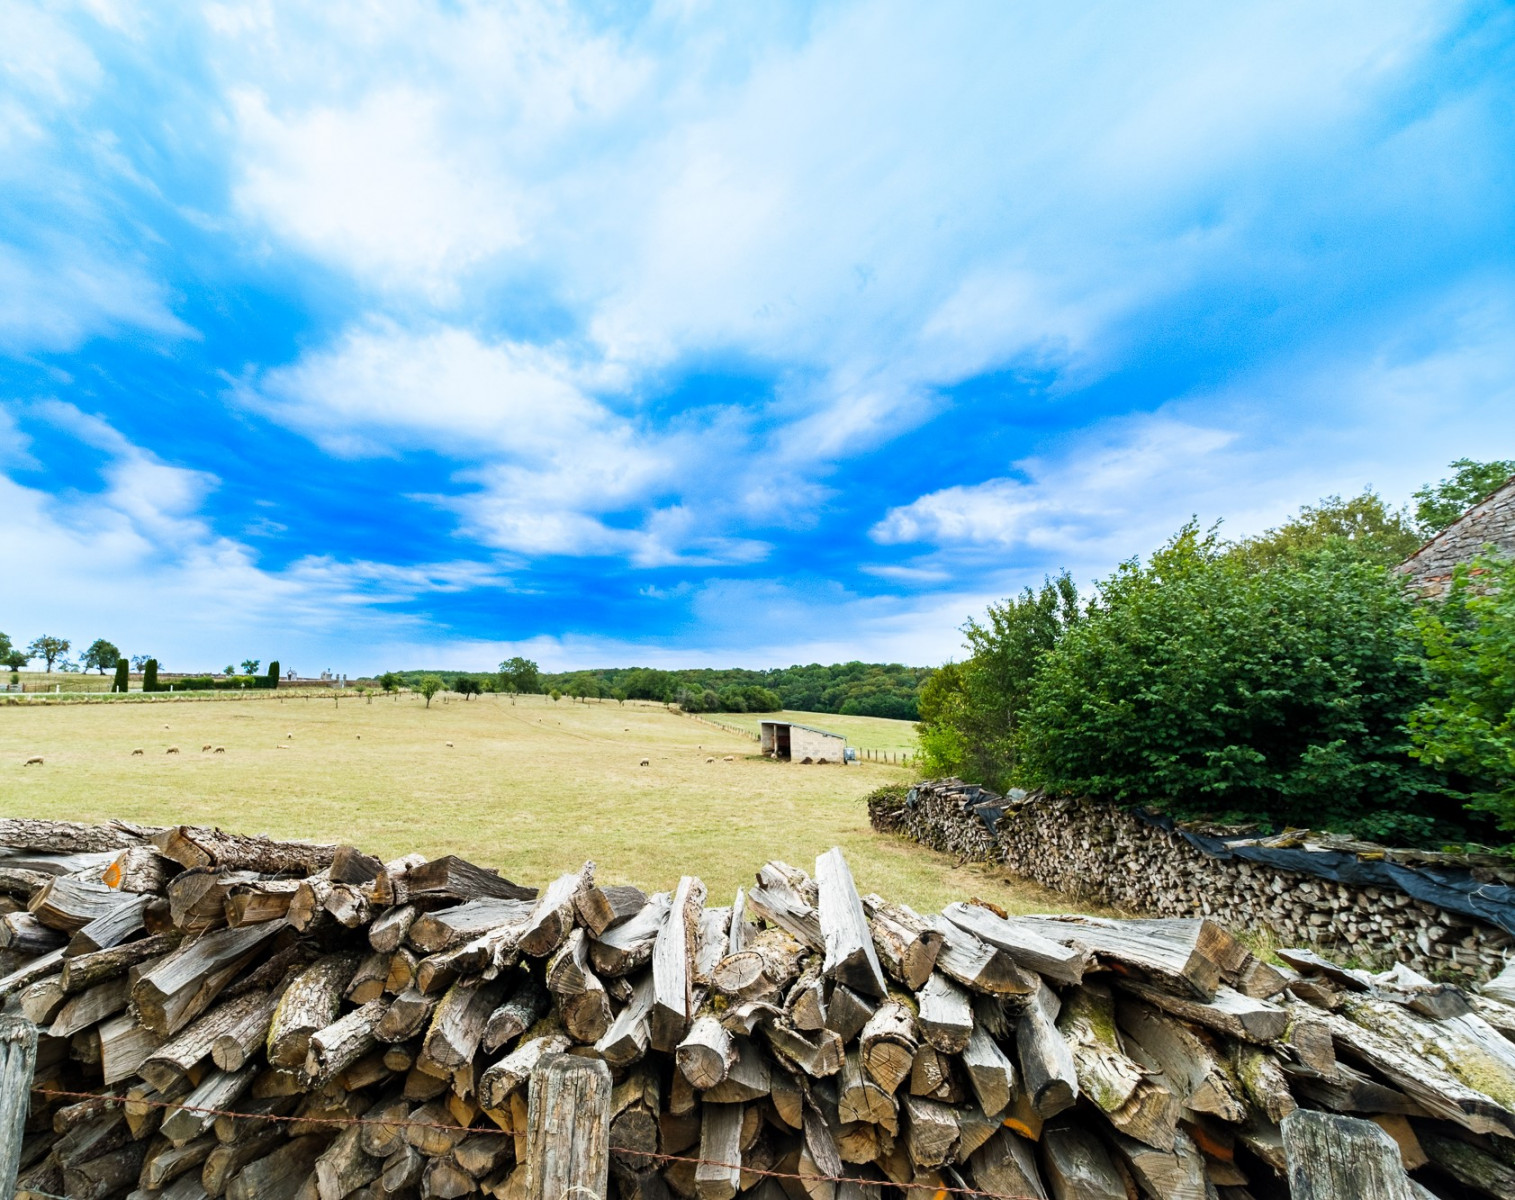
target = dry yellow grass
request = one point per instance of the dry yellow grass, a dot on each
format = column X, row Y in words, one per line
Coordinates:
column 533, row 788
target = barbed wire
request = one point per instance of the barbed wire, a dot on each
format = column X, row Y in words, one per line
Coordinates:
column 938, row 1189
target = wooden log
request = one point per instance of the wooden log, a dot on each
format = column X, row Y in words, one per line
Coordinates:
column 1352, row 1091
column 749, row 1078
column 850, row 956
column 84, row 1009
column 310, row 1003
column 1005, row 1166
column 402, row 1170
column 1471, row 1166
column 1262, row 1081
column 241, row 1040
column 805, row 1003
column 406, row 1016
column 961, row 956
column 932, row 1076
column 28, row 973
column 457, row 1026
column 123, row 921
column 228, row 1158
column 404, row 967
column 944, row 1016
column 1077, row 1165
column 601, row 908
column 711, row 944
column 251, row 903
column 672, row 966
column 1173, row 954
column 817, row 1055
column 779, row 902
column 908, row 955
column 124, row 1044
column 861, row 1098
column 706, row 1054
column 1186, row 1058
column 481, row 1154
column 566, row 969
column 626, row 946
column 516, row 1015
column 1230, row 1012
column 391, row 927
column 67, row 837
column 1062, row 961
column 18, row 1061
column 279, row 1174
column 454, row 878
column 434, row 932
column 586, row 1015
column 183, row 985
column 550, row 920
column 568, row 1147
column 345, row 1166
column 930, row 1131
column 1047, row 1068
column 369, row 979
column 24, row 934
column 139, row 868
column 1331, row 1157
column 990, row 1073
column 307, row 908
column 178, row 1056
column 88, row 970
column 888, row 1044
column 847, row 1012
column 195, row 846
column 100, row 1177
column 719, row 1175
column 497, row 1084
column 1176, row 1174
column 348, row 905
column 41, row 1001
column 218, row 1090
column 768, row 963
column 342, row 1043
column 68, row 903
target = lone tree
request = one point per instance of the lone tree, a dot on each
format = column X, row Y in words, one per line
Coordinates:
column 101, row 655
column 150, row 675
column 430, row 686
column 390, row 682
column 250, row 665
column 466, row 686
column 123, row 679
column 273, row 674
column 520, row 675
column 48, row 648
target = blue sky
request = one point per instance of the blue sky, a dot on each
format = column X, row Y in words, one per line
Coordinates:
column 368, row 335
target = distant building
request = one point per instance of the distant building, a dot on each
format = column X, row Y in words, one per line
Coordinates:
column 1490, row 522
column 801, row 743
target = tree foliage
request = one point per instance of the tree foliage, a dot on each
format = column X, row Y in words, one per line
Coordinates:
column 122, row 681
column 1467, row 724
column 250, row 666
column 49, row 648
column 971, row 711
column 520, row 675
column 430, row 686
column 1438, row 505
column 1206, row 684
column 271, row 680
column 390, row 681
column 466, row 686
column 1364, row 523
column 150, row 675
column 101, row 656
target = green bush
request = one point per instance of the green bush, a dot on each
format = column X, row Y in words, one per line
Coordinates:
column 122, row 682
column 1206, row 684
column 271, row 680
column 150, row 675
column 1468, row 723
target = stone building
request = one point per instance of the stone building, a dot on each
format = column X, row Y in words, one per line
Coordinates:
column 1490, row 522
column 801, row 743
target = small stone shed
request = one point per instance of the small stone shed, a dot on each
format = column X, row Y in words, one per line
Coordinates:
column 801, row 743
column 1490, row 522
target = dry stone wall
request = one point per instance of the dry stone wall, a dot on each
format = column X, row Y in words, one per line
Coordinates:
column 1116, row 858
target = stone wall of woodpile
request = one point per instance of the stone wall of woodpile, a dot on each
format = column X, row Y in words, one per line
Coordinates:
column 231, row 1016
column 1112, row 857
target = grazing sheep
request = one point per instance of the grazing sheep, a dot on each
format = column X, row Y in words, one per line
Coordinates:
column 137, row 753
column 34, row 761
column 281, row 746
column 449, row 745
column 165, row 727
column 204, row 748
column 646, row 762
column 710, row 760
column 220, row 750
column 172, row 750
column 729, row 758
column 360, row 737
column 289, row 737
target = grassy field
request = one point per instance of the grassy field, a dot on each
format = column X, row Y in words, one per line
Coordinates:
column 533, row 788
column 867, row 733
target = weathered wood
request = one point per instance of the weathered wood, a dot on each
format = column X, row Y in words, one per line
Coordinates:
column 1185, row 1057
column 88, row 1008
column 28, row 973
column 228, row 1158
column 235, row 1045
column 626, row 946
column 182, row 986
column 568, row 1145
column 1331, row 1157
column 805, row 1003
column 1078, row 1166
column 706, row 1054
column 1262, row 1082
column 18, row 1060
column 68, row 903
column 1176, row 1174
column 861, row 1098
column 102, row 1176
column 601, row 908
column 369, row 979
column 278, row 1174
column 390, row 928
column 342, row 1043
column 990, row 1072
column 457, row 1026
column 749, row 1077
column 124, row 1044
column 260, row 900
column 711, row 944
column 456, row 878
column 960, row 955
column 1229, row 1012
column 850, row 956
column 433, row 932
column 907, row 954
column 68, row 837
column 110, row 929
column 586, row 1015
column 672, row 966
column 778, row 901
column 944, row 1016
column 768, row 963
column 629, row 1035
column 550, row 920
column 519, row 1013
column 931, row 1131
column 817, row 1055
column 566, row 969
column 24, row 934
column 503, row 1078
column 179, row 1055
column 218, row 1090
column 344, row 1166
column 139, row 868
column 87, row 970
column 1049, row 1074
column 1062, row 961
column 719, row 1175
column 310, row 1003
column 406, row 1016
column 888, row 1043
column 195, row 846
column 847, row 1012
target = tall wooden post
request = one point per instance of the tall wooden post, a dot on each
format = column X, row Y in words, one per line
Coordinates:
column 18, row 1059
column 568, row 1129
column 1332, row 1157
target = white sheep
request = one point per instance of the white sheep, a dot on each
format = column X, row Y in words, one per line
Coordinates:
column 710, row 760
column 165, row 727
column 729, row 758
column 34, row 761
column 172, row 750
column 204, row 748
column 289, row 737
column 646, row 762
column 138, row 752
column 281, row 746
column 449, row 745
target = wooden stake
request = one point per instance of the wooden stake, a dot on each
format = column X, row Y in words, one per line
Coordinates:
column 568, row 1129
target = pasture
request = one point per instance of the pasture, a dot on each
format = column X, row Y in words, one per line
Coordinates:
column 532, row 787
column 866, row 733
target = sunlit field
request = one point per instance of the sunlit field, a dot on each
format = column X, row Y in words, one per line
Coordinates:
column 532, row 788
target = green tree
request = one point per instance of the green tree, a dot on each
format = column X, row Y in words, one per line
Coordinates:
column 1468, row 723
column 1204, row 684
column 466, row 686
column 520, row 675
column 5, row 646
column 1364, row 523
column 150, row 675
column 49, row 648
column 273, row 675
column 971, row 711
column 556, row 695
column 250, row 666
column 122, row 683
column 101, row 656
column 228, row 669
column 15, row 660
column 1438, row 505
column 390, row 682
column 430, row 686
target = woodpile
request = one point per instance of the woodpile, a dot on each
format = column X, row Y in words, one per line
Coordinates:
column 1111, row 856
column 231, row 1016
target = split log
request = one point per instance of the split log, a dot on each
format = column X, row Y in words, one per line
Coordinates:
column 945, row 1018
column 931, row 1131
column 310, row 1003
column 1262, row 1082
column 178, row 1056
column 1185, row 1057
column 961, row 956
column 406, row 1016
column 368, row 981
column 342, row 1043
column 568, row 1146
column 28, row 973
column 990, row 1073
column 932, row 1076
column 218, row 1090
column 817, row 1055
column 69, row 903
column 706, row 1054
column 261, row 900
column 124, row 1045
column 193, row 846
column 888, row 1043
column 1078, row 1166
column 749, row 1077
column 586, row 1015
column 601, row 908
column 777, row 901
column 861, row 1098
column 182, row 986
column 1006, row 1166
column 454, row 878
column 87, row 970
column 805, row 1003
column 907, row 954
column 847, row 1012
column 1331, row 1157
column 511, row 1072
column 88, row 1008
column 1488, row 1173
column 1046, row 1061
column 719, row 1175
column 278, row 1174
column 1135, row 1101
column 767, row 965
column 102, row 1176
column 626, row 946
column 123, row 921
column 1170, row 953
column 567, row 968
column 1058, row 960
column 1229, row 1012
column 434, row 932
column 227, row 1159
column 672, row 964
column 242, row 1039
column 457, row 1026
column 550, row 920
column 850, row 956
column 345, row 1166
column 519, row 1013
column 23, row 934
column 1176, row 1174
column 711, row 943
column 1352, row 1091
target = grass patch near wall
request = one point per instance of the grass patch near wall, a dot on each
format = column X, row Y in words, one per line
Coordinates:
column 533, row 787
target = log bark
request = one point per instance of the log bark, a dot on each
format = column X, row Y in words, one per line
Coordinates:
column 67, row 837
column 178, row 1056
column 218, row 1090
column 1332, row 1157
column 850, row 956
column 454, row 878
column 345, row 1166
column 706, row 1054
column 182, row 986
column 457, row 1026
column 568, row 1146
column 777, row 901
column 519, row 1013
column 195, row 846
column 310, row 1003
column 342, row 1043
column 237, row 1044
column 602, row 908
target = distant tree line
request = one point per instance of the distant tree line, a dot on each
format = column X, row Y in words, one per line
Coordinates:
column 103, row 656
column 1289, row 679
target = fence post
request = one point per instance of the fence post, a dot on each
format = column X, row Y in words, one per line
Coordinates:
column 568, row 1129
column 18, row 1059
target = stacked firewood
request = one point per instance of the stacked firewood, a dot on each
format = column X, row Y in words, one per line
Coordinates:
column 802, row 1042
